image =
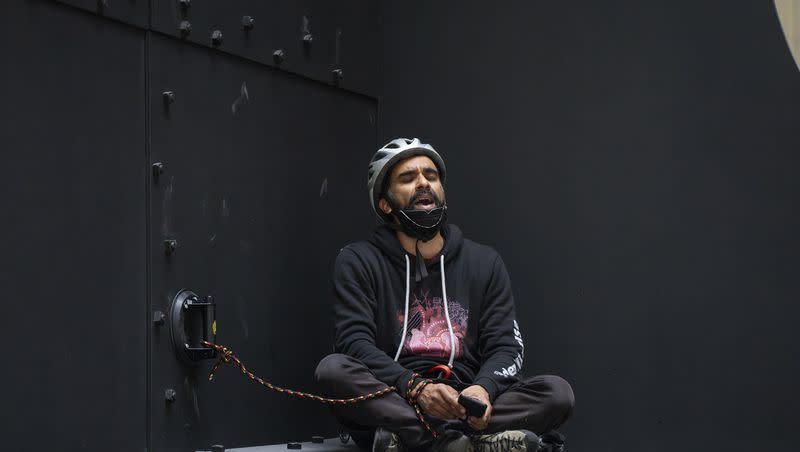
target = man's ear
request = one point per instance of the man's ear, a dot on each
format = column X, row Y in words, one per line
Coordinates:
column 383, row 204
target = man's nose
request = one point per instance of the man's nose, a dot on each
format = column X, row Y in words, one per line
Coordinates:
column 423, row 182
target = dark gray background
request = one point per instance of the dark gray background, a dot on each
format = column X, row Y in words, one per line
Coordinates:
column 633, row 163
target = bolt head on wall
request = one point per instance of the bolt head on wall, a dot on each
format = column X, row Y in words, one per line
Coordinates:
column 158, row 170
column 216, row 38
column 170, row 246
column 185, row 28
column 169, row 395
column 248, row 22
column 169, row 97
column 338, row 75
column 278, row 56
column 158, row 318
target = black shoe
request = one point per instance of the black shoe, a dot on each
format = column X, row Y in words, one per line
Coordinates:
column 552, row 441
column 508, row 441
column 386, row 441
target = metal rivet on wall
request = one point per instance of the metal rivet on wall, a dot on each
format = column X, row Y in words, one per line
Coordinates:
column 337, row 76
column 185, row 28
column 158, row 318
column 308, row 38
column 169, row 97
column 216, row 38
column 248, row 22
column 169, row 395
column 170, row 246
column 277, row 56
column 158, row 169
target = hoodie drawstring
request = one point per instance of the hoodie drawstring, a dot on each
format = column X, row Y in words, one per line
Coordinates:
column 405, row 317
column 446, row 308
column 447, row 316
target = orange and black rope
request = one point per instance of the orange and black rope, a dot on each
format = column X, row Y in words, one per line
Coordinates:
column 226, row 356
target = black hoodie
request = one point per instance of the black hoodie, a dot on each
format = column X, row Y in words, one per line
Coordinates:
column 373, row 280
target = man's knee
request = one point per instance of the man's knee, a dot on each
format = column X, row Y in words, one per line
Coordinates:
column 561, row 400
column 330, row 369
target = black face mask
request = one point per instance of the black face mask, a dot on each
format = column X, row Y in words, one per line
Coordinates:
column 422, row 224
column 419, row 223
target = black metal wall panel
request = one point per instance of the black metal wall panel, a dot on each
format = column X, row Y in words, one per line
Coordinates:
column 343, row 35
column 133, row 12
column 73, row 234
column 260, row 169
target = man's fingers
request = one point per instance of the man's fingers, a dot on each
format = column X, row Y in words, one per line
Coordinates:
column 449, row 411
column 457, row 411
column 442, row 401
column 450, row 391
column 442, row 410
column 456, row 408
column 476, row 423
column 450, row 396
column 488, row 414
column 443, row 413
column 483, row 422
column 439, row 409
column 441, row 398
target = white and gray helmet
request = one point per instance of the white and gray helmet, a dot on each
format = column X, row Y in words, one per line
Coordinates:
column 387, row 156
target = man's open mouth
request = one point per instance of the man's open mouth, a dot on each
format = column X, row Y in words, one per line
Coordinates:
column 424, row 202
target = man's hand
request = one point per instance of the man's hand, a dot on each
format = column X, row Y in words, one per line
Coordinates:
column 441, row 401
column 477, row 392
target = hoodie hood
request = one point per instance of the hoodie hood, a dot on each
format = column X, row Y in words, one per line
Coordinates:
column 385, row 238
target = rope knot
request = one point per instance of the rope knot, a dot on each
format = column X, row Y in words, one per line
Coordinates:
column 226, row 354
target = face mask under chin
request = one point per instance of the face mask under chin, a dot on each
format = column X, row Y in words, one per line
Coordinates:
column 420, row 223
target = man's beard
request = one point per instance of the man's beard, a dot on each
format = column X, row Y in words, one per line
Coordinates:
column 411, row 204
column 419, row 222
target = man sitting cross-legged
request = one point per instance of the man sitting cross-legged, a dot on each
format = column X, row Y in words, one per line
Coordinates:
column 423, row 309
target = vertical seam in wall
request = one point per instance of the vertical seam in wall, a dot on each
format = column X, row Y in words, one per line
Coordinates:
column 381, row 82
column 147, row 330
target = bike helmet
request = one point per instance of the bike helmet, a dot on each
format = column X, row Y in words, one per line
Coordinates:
column 387, row 156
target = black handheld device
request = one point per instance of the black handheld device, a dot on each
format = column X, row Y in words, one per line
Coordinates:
column 474, row 407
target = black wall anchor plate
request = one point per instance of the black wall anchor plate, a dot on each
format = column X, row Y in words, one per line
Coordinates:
column 191, row 322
